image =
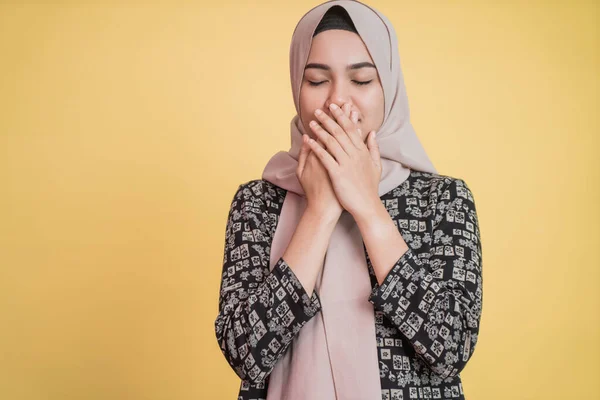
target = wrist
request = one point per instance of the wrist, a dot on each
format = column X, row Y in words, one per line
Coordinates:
column 371, row 213
column 322, row 216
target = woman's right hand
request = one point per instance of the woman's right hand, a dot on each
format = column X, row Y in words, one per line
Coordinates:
column 315, row 181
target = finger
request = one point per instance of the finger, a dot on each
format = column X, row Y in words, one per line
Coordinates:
column 353, row 115
column 347, row 107
column 328, row 142
column 326, row 159
column 334, row 129
column 347, row 125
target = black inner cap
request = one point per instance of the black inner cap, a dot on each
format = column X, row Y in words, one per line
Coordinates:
column 335, row 18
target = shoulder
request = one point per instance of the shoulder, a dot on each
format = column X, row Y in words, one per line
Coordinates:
column 442, row 193
column 261, row 193
column 450, row 198
column 439, row 187
column 258, row 201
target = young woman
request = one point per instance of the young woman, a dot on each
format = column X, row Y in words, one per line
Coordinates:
column 352, row 269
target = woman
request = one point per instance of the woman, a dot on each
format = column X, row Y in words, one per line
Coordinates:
column 352, row 269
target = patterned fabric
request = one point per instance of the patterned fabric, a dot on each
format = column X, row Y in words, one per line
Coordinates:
column 427, row 310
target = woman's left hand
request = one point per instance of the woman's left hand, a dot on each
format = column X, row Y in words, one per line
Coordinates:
column 353, row 166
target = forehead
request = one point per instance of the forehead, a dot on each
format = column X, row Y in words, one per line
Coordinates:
column 338, row 48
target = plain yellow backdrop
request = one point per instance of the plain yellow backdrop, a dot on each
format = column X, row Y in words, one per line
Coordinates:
column 126, row 128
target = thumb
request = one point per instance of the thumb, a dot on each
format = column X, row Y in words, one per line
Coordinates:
column 374, row 148
column 302, row 156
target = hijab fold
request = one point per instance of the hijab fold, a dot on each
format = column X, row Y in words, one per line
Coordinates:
column 334, row 356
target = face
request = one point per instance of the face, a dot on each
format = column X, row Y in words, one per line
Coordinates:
column 340, row 70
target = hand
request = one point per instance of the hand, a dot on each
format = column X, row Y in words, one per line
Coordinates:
column 354, row 167
column 316, row 182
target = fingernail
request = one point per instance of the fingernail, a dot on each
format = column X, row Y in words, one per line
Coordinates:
column 333, row 106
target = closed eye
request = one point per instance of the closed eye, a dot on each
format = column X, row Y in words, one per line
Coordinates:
column 356, row 82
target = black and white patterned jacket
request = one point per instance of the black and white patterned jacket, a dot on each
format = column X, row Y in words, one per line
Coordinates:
column 427, row 310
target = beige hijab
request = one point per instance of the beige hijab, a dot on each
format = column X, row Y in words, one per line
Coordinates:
column 334, row 356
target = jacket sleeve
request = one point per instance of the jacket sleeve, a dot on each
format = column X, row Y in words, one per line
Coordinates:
column 260, row 311
column 436, row 301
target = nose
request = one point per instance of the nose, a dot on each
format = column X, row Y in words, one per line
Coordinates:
column 338, row 96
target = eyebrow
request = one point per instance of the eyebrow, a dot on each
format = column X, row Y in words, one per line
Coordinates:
column 349, row 67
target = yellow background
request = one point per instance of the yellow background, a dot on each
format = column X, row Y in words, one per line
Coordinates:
column 126, row 127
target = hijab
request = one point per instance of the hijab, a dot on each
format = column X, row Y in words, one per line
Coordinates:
column 334, row 355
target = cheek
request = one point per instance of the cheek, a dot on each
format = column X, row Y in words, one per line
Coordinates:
column 308, row 105
column 371, row 103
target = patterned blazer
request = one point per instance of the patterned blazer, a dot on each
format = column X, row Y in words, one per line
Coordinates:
column 427, row 310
